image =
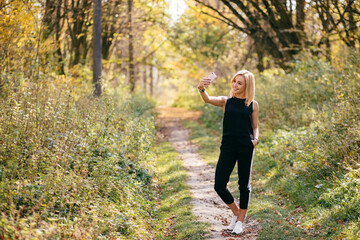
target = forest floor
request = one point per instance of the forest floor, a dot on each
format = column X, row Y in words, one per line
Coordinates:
column 206, row 204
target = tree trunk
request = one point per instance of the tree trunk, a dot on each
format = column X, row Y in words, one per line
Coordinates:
column 97, row 67
column 300, row 21
column 57, row 38
column 151, row 79
column 323, row 10
column 260, row 63
column 353, row 29
column 131, row 49
column 48, row 18
column 106, row 46
column 144, row 78
column 109, row 26
column 300, row 14
column 327, row 32
column 78, row 26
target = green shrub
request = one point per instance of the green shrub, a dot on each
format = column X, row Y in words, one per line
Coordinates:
column 73, row 166
column 294, row 99
column 310, row 146
column 212, row 117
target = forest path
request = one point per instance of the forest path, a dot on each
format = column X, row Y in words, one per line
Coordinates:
column 206, row 204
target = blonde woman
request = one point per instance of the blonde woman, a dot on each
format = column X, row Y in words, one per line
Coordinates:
column 240, row 136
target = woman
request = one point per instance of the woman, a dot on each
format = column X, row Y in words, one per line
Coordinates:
column 240, row 136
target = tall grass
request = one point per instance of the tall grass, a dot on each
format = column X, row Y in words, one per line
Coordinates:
column 73, row 166
column 311, row 148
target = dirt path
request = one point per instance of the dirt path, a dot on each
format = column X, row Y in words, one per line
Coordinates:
column 207, row 205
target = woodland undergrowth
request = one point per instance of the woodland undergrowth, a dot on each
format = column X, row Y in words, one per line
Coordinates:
column 74, row 166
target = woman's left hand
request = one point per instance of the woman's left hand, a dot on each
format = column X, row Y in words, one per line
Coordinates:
column 254, row 142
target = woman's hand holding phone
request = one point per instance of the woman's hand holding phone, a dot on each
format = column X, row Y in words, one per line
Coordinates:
column 206, row 81
column 211, row 76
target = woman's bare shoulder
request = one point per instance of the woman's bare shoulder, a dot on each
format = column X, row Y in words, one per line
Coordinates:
column 255, row 105
column 224, row 99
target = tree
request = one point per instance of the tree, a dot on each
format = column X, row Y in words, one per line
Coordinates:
column 269, row 23
column 78, row 20
column 97, row 67
column 68, row 18
column 338, row 18
column 123, row 25
column 131, row 48
column 53, row 21
column 114, row 22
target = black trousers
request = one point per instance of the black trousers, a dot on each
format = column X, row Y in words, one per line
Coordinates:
column 232, row 150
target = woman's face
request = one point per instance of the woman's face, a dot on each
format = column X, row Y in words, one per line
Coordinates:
column 238, row 85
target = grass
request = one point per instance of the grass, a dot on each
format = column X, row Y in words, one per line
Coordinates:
column 279, row 218
column 74, row 167
column 174, row 217
column 329, row 204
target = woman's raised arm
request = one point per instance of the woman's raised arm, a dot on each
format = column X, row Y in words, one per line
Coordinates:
column 219, row 101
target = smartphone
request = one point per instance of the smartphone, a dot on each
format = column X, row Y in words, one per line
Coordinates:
column 211, row 76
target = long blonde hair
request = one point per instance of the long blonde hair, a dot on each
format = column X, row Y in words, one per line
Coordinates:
column 249, row 85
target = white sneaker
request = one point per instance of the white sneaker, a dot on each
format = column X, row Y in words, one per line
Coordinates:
column 232, row 223
column 238, row 228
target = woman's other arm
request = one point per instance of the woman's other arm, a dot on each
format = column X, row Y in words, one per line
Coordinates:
column 255, row 120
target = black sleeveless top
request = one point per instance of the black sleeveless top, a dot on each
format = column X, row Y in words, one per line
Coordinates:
column 237, row 118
